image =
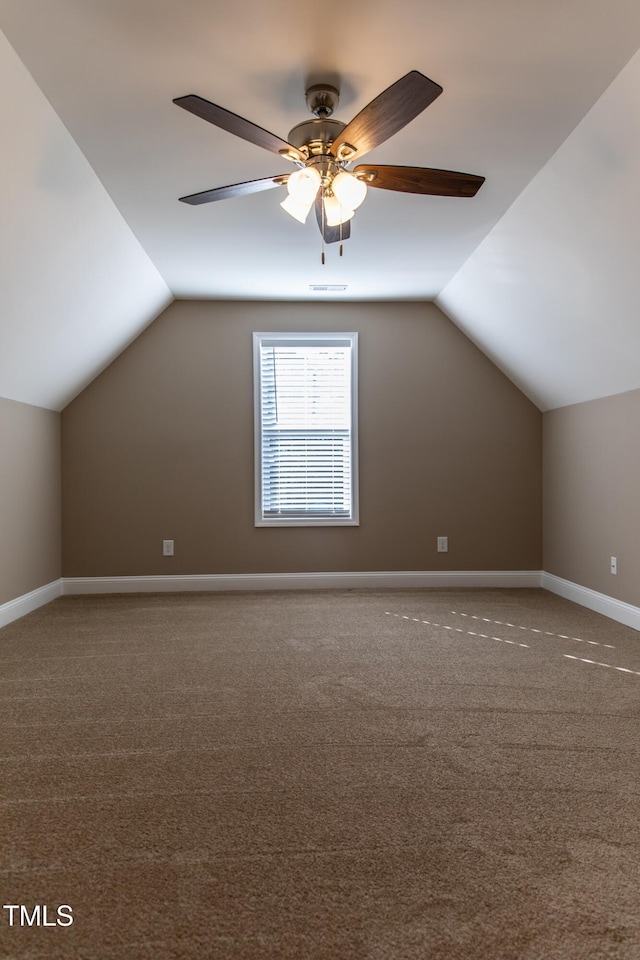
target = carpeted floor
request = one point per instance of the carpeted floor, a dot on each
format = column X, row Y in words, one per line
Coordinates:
column 358, row 775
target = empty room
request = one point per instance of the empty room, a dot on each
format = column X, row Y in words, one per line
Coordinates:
column 319, row 480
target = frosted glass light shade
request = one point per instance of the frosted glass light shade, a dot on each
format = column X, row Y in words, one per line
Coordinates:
column 335, row 213
column 303, row 185
column 300, row 211
column 349, row 190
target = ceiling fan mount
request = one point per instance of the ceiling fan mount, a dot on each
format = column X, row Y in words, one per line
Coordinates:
column 313, row 138
column 322, row 99
column 323, row 149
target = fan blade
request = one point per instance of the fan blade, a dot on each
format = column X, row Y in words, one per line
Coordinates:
column 436, row 183
column 235, row 190
column 232, row 123
column 331, row 234
column 389, row 112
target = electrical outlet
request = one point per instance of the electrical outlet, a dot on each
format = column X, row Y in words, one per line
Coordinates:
column 443, row 544
column 167, row 548
column 614, row 565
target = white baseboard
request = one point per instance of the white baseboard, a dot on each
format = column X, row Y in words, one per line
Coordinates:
column 29, row 602
column 304, row 581
column 417, row 579
column 600, row 602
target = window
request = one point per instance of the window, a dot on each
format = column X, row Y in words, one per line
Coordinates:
column 305, row 388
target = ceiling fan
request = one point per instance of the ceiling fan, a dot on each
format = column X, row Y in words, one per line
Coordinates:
column 323, row 149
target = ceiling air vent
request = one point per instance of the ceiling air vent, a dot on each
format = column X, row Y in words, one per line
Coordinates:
column 327, row 287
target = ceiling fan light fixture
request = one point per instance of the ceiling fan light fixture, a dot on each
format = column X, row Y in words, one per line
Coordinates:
column 304, row 184
column 299, row 211
column 323, row 148
column 334, row 212
column 349, row 190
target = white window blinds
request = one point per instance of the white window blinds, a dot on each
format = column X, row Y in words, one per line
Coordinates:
column 305, row 428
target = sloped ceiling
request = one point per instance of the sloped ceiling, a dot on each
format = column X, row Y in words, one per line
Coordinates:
column 96, row 242
column 76, row 285
column 552, row 293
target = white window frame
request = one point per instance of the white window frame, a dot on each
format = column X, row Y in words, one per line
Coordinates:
column 259, row 339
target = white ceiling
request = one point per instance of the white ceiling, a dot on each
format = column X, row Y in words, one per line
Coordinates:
column 509, row 266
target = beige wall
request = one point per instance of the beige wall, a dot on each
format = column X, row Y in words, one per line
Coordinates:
column 29, row 498
column 592, row 494
column 161, row 446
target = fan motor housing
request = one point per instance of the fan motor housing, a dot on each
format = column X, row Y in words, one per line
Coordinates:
column 316, row 135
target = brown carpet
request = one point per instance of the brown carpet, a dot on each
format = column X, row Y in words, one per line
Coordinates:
column 314, row 776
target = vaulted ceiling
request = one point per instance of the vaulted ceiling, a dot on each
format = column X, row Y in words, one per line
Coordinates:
column 540, row 98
